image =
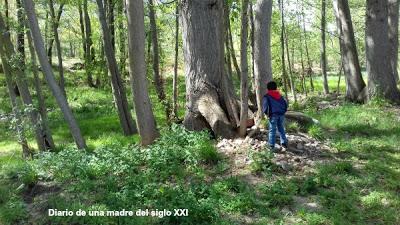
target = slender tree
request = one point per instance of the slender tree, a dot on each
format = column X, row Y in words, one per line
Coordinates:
column 282, row 39
column 309, row 62
column 124, row 114
column 355, row 85
column 244, row 69
column 175, row 78
column 49, row 75
column 158, row 80
column 89, row 56
column 136, row 40
column 58, row 46
column 323, row 47
column 46, row 132
column 56, row 23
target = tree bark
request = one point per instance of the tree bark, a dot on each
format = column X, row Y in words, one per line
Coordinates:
column 136, row 40
column 323, row 48
column 82, row 27
column 111, row 20
column 381, row 79
column 262, row 50
column 394, row 36
column 124, row 114
column 158, row 80
column 207, row 88
column 58, row 46
column 355, row 85
column 175, row 78
column 49, row 75
column 244, row 98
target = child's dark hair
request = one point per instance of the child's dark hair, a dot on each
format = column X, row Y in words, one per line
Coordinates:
column 272, row 85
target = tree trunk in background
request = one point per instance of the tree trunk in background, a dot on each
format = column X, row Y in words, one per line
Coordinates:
column 58, row 46
column 282, row 39
column 125, row 117
column 207, row 87
column 158, row 80
column 291, row 79
column 54, row 23
column 88, row 45
column 394, row 36
column 355, row 85
column 262, row 50
column 302, row 73
column 111, row 20
column 309, row 62
column 381, row 79
column 244, row 98
column 323, row 48
column 48, row 72
column 47, row 136
column 6, row 9
column 82, row 27
column 252, row 90
column 136, row 40
column 8, row 57
column 20, row 36
column 122, row 38
column 231, row 46
column 175, row 78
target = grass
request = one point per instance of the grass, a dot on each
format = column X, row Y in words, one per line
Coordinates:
column 184, row 170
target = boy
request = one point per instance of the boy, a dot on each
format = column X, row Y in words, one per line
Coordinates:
column 275, row 106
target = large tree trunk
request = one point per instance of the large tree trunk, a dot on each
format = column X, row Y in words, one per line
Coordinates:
column 49, row 75
column 381, row 79
column 355, row 85
column 136, row 39
column 16, row 72
column 124, row 114
column 323, row 48
column 207, row 89
column 262, row 50
column 47, row 136
column 56, row 23
column 244, row 98
column 394, row 36
column 58, row 46
column 175, row 78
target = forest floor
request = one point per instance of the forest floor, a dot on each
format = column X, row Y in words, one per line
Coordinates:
column 345, row 170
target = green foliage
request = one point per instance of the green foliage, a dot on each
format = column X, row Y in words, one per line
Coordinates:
column 262, row 162
column 316, row 132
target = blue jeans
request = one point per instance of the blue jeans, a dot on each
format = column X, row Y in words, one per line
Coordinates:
column 274, row 123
